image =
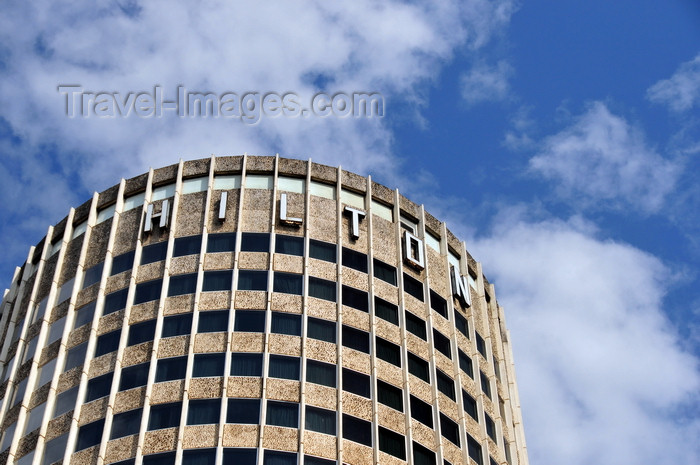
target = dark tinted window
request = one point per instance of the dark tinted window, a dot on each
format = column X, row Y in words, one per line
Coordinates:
column 284, row 367
column 354, row 260
column 418, row 367
column 422, row 411
column 490, row 427
column 320, row 420
column 423, row 455
column 282, row 414
column 223, row 242
column 177, row 325
column 308, row 460
column 386, row 311
column 167, row 458
column 213, row 321
column 445, row 384
column 182, row 284
column 355, row 339
column 114, row 301
column 203, row 411
column 416, row 325
column 150, row 290
column 244, row 411
column 357, row 430
column 481, row 345
column 208, row 365
column 442, row 344
column 288, row 283
column 252, row 280
column 385, row 272
column 84, row 314
column 240, row 456
column 449, row 430
column 465, row 363
column 107, row 343
column 392, row 443
column 290, row 245
column 474, row 450
column 321, row 329
column 286, row 323
column 322, row 251
column 273, row 457
column 255, row 242
column 93, row 275
column 90, row 434
column 126, row 423
column 169, row 369
column 154, row 253
column 388, row 351
column 355, row 382
column 485, row 384
column 141, row 332
column 98, row 387
column 245, row 364
column 164, row 416
column 134, row 376
column 438, row 304
column 217, row 280
column 187, row 246
column 322, row 289
column 470, row 405
column 413, row 287
column 389, row 395
column 461, row 324
column 249, row 321
column 199, row 457
column 320, row 373
column 355, row 298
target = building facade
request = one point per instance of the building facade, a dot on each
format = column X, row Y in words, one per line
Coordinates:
column 254, row 310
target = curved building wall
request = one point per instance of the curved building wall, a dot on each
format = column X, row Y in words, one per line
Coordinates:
column 254, row 310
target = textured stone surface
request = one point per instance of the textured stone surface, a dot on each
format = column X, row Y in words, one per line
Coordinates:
column 279, row 438
column 357, row 406
column 244, row 386
column 356, row 453
column 93, row 411
column 284, row 344
column 321, row 350
column 286, row 303
column 321, row 396
column 210, row 342
column 205, row 388
column 247, row 342
column 321, row 445
column 282, row 389
column 241, row 435
column 173, row 346
column 250, row 300
column 169, row 391
column 121, row 449
column 199, row 436
column 161, row 440
column 129, row 399
column 218, row 261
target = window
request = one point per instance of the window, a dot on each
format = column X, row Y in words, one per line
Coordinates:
column 445, row 384
column 182, row 284
column 150, row 290
column 320, row 373
column 490, row 427
column 321, row 329
column 75, row 356
column 355, row 382
column 85, row 314
column 199, row 457
column 355, row 339
column 308, row 460
column 172, row 368
column 461, row 324
column 286, row 323
column 98, row 387
column 322, row 289
column 166, row 458
column 65, row 401
column 354, row 260
column 177, row 325
column 288, row 283
column 416, row 325
column 389, row 395
column 320, row 420
column 245, row 364
column 284, row 367
column 190, row 245
column 388, row 351
column 470, row 405
column 485, row 384
column 273, row 457
column 386, row 311
column 213, row 321
column 122, row 263
column 474, row 449
column 442, row 344
column 357, row 430
column 421, row 411
column 438, row 304
column 392, row 443
column 203, row 411
column 241, row 456
column 252, row 280
column 255, row 242
column 126, row 423
column 449, row 430
column 107, row 343
column 217, row 281
column 141, row 332
column 413, row 287
column 465, row 363
column 423, row 455
column 355, row 298
column 418, row 367
column 385, row 272
column 492, row 461
column 249, row 321
column 154, row 253
column 114, row 301
column 243, row 411
column 282, row 414
column 55, row 449
column 164, row 416
column 134, row 376
column 90, row 435
column 222, row 242
column 93, row 275
column 322, row 251
column 208, row 365
column 290, row 245
column 481, row 345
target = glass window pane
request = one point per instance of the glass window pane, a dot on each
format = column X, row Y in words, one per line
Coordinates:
column 282, row 414
column 386, row 311
column 163, row 192
column 115, row 301
column 164, row 416
column 322, row 289
column 465, row 363
column 55, row 449
column 148, row 291
column 423, row 455
column 258, row 181
column 222, row 242
column 180, row 285
column 322, row 251
column 290, row 245
column 388, row 351
column 286, row 323
column 355, row 382
column 284, row 367
column 213, row 321
column 190, row 245
column 134, row 376
column 438, row 303
column 445, row 384
column 93, row 275
column 65, row 401
column 107, row 343
column 199, row 457
column 355, row 339
column 322, row 190
column 413, row 287
column 203, row 412
column 126, row 423
column 357, row 430
column 320, row 420
column 227, row 182
column 416, row 325
column 288, row 283
column 217, row 280
column 392, row 443
column 449, row 430
column 166, row 458
column 461, row 324
column 252, row 280
column 134, row 201
column 255, row 242
column 190, row 186
column 169, row 369
column 84, row 314
column 141, row 332
column 75, row 356
column 90, row 435
column 470, row 405
column 154, row 252
column 418, row 367
column 321, row 329
column 208, row 365
column 273, row 457
column 244, row 411
column 122, row 263
column 289, row 184
column 355, row 260
column 385, row 272
column 389, row 395
column 355, row 298
column 177, row 325
column 236, row 456
column 442, row 344
column 246, row 364
column 249, row 321
column 320, row 373
column 421, row 411
column 98, row 387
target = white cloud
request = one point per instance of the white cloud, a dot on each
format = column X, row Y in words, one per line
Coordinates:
column 601, row 375
column 486, row 83
column 602, row 161
column 681, row 92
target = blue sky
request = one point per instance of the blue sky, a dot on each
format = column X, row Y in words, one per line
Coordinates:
column 559, row 139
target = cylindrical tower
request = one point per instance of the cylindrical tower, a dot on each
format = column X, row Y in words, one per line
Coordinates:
column 254, row 310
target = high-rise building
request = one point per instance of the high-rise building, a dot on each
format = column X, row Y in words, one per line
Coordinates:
column 254, row 310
